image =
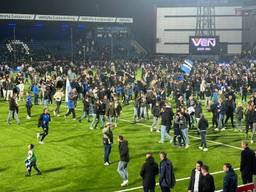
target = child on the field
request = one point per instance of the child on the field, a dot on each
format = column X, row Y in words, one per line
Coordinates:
column 31, row 161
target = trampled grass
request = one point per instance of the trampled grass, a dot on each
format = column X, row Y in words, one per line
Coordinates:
column 72, row 157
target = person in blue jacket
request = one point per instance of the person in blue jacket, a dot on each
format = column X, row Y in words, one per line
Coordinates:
column 166, row 177
column 230, row 179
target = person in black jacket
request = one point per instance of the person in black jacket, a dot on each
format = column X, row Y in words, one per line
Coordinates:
column 43, row 122
column 164, row 124
column 156, row 117
column 148, row 173
column 206, row 182
column 86, row 110
column 102, row 111
column 195, row 177
column 230, row 179
column 202, row 126
column 230, row 108
column 107, row 141
column 124, row 159
column 170, row 113
column 249, row 118
column 247, row 164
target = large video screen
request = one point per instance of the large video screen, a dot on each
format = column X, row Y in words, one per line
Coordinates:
column 203, row 45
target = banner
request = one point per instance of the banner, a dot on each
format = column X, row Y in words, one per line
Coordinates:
column 56, row 18
column 246, row 188
column 14, row 16
column 97, row 19
column 68, row 89
column 6, row 16
column 124, row 20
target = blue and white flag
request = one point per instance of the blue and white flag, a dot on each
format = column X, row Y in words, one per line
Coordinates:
column 68, row 89
column 180, row 77
column 186, row 67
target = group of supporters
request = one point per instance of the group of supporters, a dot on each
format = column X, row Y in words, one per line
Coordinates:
column 106, row 87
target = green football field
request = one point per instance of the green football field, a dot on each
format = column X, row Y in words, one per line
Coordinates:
column 72, row 157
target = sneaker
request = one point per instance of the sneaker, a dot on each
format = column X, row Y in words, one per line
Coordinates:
column 205, row 149
column 79, row 121
column 170, row 140
column 91, row 128
column 41, row 142
column 158, row 131
column 216, row 129
column 74, row 119
column 160, row 142
column 251, row 141
column 58, row 115
column 54, row 113
column 223, row 129
column 151, row 130
column 27, row 175
column 38, row 173
column 187, row 146
column 201, row 148
column 38, row 136
column 125, row 183
column 28, row 117
column 115, row 125
column 106, row 164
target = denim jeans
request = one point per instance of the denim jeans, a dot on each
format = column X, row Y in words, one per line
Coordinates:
column 36, row 99
column 203, row 139
column 10, row 114
column 164, row 133
column 46, row 103
column 143, row 112
column 86, row 113
column 221, row 120
column 94, row 121
column 185, row 135
column 102, row 120
column 155, row 123
column 110, row 119
column 122, row 169
column 107, row 151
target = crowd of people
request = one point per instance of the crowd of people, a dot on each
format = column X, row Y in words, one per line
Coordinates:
column 162, row 92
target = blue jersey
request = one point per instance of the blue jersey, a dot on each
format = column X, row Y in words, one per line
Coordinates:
column 44, row 120
column 71, row 104
column 35, row 90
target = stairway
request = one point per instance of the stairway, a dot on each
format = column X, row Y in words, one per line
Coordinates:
column 139, row 49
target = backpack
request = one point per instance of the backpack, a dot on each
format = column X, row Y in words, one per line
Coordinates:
column 169, row 175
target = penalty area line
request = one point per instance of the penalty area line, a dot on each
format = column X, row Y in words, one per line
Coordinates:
column 181, row 179
column 210, row 141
